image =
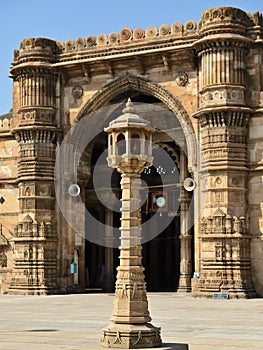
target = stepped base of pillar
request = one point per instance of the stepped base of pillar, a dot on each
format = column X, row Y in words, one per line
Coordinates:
column 184, row 285
column 131, row 336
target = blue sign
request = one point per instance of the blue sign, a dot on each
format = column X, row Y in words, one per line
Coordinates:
column 73, row 268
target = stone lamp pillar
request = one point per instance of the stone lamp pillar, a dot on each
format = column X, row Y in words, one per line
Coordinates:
column 130, row 152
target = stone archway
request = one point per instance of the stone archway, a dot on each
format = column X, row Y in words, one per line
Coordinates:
column 124, row 85
column 143, row 85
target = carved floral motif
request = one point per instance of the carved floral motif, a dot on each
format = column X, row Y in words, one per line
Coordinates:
column 181, row 79
column 77, row 92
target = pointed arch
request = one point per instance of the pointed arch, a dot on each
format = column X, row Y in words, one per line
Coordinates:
column 144, row 85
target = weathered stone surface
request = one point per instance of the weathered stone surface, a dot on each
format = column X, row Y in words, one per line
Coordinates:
column 210, row 78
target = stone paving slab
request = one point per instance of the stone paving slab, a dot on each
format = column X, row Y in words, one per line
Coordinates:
column 73, row 322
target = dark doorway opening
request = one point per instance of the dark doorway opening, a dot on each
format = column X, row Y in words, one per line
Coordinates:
column 161, row 259
column 161, row 255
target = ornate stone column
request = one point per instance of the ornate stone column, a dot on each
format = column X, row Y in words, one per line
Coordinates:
column 185, row 237
column 35, row 269
column 130, row 153
column 223, row 119
column 109, row 273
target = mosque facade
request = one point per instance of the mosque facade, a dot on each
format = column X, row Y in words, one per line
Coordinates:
column 201, row 88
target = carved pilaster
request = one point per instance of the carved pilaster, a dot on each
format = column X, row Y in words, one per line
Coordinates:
column 223, row 119
column 224, row 147
column 185, row 237
column 35, row 269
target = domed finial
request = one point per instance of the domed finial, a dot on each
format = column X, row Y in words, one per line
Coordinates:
column 129, row 108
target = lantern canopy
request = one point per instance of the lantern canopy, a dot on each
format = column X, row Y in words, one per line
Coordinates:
column 129, row 139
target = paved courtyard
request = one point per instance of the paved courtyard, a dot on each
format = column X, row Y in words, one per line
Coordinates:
column 74, row 321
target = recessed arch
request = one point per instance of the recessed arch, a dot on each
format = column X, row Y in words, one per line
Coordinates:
column 171, row 151
column 144, row 85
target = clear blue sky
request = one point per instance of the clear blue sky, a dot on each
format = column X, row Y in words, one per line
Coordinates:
column 65, row 19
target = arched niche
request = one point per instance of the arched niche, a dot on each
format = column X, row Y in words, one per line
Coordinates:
column 131, row 82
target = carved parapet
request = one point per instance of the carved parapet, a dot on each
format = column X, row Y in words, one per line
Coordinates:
column 48, row 49
column 41, row 46
column 126, row 36
column 224, row 17
column 217, row 18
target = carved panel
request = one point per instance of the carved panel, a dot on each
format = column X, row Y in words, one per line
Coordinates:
column 221, row 96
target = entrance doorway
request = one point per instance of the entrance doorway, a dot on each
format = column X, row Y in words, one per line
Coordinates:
column 161, row 255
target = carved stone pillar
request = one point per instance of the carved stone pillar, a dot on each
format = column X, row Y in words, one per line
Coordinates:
column 130, row 152
column 35, row 269
column 109, row 273
column 131, row 327
column 223, row 119
column 185, row 237
column 130, row 287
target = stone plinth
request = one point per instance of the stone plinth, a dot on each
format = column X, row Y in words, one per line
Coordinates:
column 131, row 336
